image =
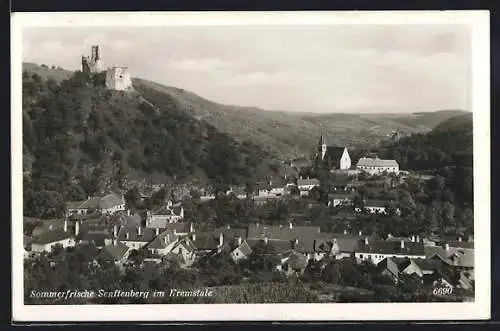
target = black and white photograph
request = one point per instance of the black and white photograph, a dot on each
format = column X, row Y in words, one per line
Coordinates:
column 167, row 166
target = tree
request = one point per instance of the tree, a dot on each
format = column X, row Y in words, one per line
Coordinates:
column 132, row 198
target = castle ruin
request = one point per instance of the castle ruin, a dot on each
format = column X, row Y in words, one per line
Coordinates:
column 117, row 78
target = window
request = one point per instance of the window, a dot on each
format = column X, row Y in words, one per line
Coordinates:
column 360, row 256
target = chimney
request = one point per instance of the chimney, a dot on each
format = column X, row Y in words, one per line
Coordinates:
column 157, row 231
column 447, row 247
column 345, row 232
column 366, row 240
column 221, row 239
column 182, row 212
column 418, row 238
column 166, row 239
column 115, row 231
column 413, row 238
column 389, row 236
column 296, row 241
column 228, row 227
column 65, row 225
column 191, row 227
column 193, row 237
column 127, row 235
column 77, row 228
column 471, row 239
column 360, row 233
column 239, row 241
column 402, row 244
column 51, row 227
column 128, row 212
column 114, row 241
column 265, row 240
column 460, row 239
column 139, row 232
column 290, row 225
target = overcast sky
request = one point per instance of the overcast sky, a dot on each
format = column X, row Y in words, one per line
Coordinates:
column 295, row 68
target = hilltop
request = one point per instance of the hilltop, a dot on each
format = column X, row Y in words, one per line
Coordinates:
column 286, row 134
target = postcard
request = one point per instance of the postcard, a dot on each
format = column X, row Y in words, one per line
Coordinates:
column 267, row 166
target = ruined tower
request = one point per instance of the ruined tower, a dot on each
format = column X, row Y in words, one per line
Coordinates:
column 94, row 64
column 118, row 78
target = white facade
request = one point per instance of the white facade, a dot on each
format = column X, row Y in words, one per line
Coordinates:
column 377, row 257
column 345, row 160
column 377, row 166
column 134, row 244
column 40, row 248
column 118, row 78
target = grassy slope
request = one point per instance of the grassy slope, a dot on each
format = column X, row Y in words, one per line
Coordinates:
column 283, row 133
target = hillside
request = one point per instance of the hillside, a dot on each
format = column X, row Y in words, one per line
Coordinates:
column 287, row 134
column 83, row 139
column 292, row 134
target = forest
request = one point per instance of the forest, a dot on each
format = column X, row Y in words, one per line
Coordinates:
column 80, row 139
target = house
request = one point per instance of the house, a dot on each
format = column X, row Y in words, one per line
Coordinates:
column 107, row 204
column 377, row 166
column 163, row 243
column 285, row 237
column 136, row 237
column 455, row 257
column 98, row 238
column 115, row 252
column 333, row 157
column 340, row 199
column 162, row 216
column 242, row 250
column 377, row 250
column 389, row 267
column 335, row 245
column 239, row 192
column 277, row 189
column 183, row 252
column 262, row 200
column 44, row 242
column 207, row 243
column 376, row 207
column 292, row 262
column 180, row 229
column 307, row 184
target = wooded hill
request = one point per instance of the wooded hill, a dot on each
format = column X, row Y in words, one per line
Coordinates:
column 80, row 138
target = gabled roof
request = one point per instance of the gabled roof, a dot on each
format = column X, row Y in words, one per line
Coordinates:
column 113, row 252
column 390, row 265
column 282, row 232
column 334, row 153
column 391, row 247
column 179, row 227
column 51, row 236
column 105, row 202
column 341, row 195
column 245, row 248
column 126, row 220
column 279, row 246
column 206, row 241
column 460, row 257
column 375, row 162
column 96, row 237
column 230, row 233
column 375, row 203
column 159, row 241
column 295, row 260
column 310, row 181
column 147, row 234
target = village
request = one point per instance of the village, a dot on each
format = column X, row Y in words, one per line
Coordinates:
column 167, row 234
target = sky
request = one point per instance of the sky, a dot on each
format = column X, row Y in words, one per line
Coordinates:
column 311, row 68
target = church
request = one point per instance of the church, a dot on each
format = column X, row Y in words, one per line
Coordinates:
column 333, row 157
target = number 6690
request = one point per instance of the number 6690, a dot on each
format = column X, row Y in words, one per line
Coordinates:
column 442, row 291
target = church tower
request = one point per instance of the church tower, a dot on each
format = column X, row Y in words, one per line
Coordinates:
column 322, row 147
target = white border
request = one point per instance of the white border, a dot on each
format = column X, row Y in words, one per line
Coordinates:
column 480, row 309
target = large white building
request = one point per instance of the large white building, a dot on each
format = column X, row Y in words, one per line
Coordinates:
column 377, row 166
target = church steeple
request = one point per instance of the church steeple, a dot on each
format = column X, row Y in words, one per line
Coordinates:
column 322, row 147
